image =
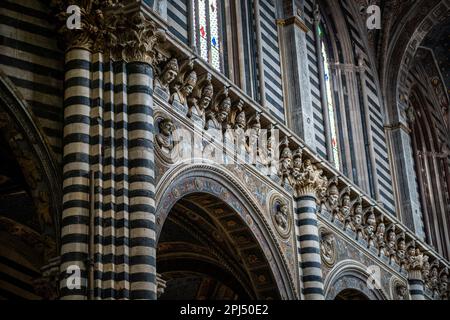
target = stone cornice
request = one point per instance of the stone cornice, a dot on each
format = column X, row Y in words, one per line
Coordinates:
column 398, row 126
column 294, row 20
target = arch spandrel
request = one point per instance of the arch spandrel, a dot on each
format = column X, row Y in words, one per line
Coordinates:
column 185, row 180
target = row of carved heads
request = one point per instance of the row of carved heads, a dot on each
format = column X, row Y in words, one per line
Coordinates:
column 382, row 234
column 181, row 86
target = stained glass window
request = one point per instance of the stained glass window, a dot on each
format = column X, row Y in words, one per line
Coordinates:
column 207, row 35
column 330, row 105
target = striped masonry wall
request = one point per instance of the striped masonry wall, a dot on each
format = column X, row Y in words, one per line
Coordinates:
column 177, row 13
column 178, row 26
column 376, row 116
column 271, row 59
column 29, row 56
column 376, row 126
column 318, row 117
column 250, row 49
column 108, row 131
column 309, row 247
column 16, row 276
column 415, row 77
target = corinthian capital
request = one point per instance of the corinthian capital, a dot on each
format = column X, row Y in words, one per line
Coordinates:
column 106, row 27
column 307, row 178
column 415, row 259
column 140, row 39
column 97, row 23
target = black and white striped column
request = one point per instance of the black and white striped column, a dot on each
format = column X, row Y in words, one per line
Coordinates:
column 416, row 285
column 108, row 156
column 76, row 158
column 309, row 247
column 141, row 182
column 95, row 247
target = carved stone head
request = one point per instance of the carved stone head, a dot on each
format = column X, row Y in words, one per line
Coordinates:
column 346, row 201
column 401, row 245
column 224, row 109
column 207, row 93
column 256, row 127
column 298, row 154
column 166, row 127
column 189, row 84
column 381, row 229
column 286, row 157
column 240, row 120
column 392, row 236
column 333, row 195
column 170, row 72
column 411, row 251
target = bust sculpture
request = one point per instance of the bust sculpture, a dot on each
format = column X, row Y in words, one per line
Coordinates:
column 167, row 76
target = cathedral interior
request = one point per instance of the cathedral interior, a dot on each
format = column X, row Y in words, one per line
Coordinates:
column 224, row 149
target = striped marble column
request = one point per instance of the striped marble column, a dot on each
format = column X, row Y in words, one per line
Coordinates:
column 108, row 156
column 108, row 233
column 95, row 246
column 141, row 182
column 119, row 232
column 416, row 285
column 76, row 157
column 309, row 246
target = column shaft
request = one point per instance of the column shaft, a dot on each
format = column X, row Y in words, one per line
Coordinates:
column 416, row 286
column 76, row 158
column 141, row 182
column 309, row 248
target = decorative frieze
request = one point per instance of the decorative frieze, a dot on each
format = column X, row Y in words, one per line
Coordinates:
column 206, row 97
column 299, row 170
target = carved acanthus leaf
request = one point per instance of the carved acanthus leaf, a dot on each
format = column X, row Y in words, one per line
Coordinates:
column 104, row 27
